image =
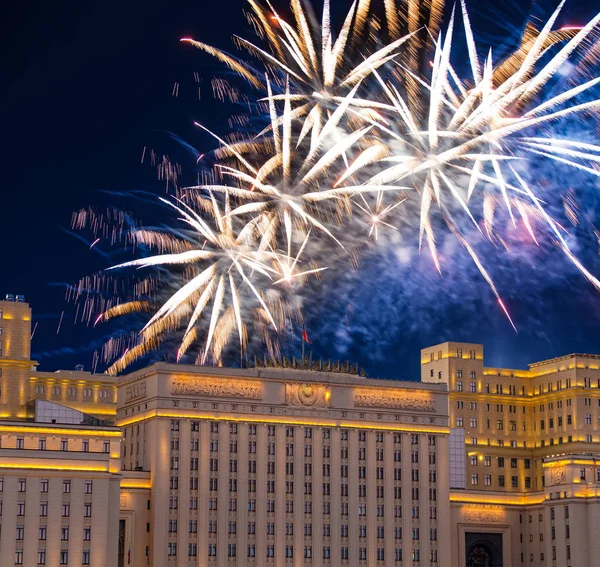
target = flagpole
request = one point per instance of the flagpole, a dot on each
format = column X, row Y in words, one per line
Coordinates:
column 302, row 339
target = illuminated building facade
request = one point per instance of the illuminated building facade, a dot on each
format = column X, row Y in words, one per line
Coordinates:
column 59, row 475
column 281, row 467
column 525, row 488
column 192, row 466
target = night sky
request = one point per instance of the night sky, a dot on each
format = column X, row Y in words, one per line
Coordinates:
column 87, row 85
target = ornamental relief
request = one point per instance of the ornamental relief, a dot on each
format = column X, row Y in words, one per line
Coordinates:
column 307, row 395
column 483, row 516
column 135, row 391
column 219, row 388
column 558, row 475
column 392, row 399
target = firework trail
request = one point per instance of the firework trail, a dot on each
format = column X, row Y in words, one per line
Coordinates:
column 371, row 134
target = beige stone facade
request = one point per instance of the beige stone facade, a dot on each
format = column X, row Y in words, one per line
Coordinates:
column 530, row 458
column 285, row 468
column 59, row 483
column 191, row 466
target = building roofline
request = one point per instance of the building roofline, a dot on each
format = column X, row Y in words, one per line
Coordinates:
column 564, row 357
column 279, row 374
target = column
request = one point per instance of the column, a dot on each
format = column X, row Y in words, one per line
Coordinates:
column 160, row 455
column 183, row 517
column 242, row 486
column 261, row 493
column 299, row 497
column 353, row 464
column 407, row 521
column 424, row 502
column 223, row 494
column 335, row 479
column 53, row 521
column 593, row 519
column 388, row 491
column 10, row 497
column 32, row 522
column 371, row 499
column 114, row 497
column 579, row 542
column 99, row 512
column 442, row 466
column 203, row 476
column 280, row 496
column 317, row 497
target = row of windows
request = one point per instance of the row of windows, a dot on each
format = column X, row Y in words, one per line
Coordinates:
column 460, row 404
column 308, row 529
column 72, row 392
column 66, row 509
column 487, row 480
column 290, row 432
column 64, row 533
column 64, row 445
column 64, row 557
column 512, row 389
column 22, row 485
column 289, row 507
column 514, row 444
column 289, row 451
column 308, row 488
column 487, row 461
column 308, row 552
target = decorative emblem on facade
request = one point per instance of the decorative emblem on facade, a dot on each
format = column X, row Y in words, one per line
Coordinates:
column 124, row 501
column 308, row 395
column 219, row 388
column 135, row 391
column 558, row 475
column 393, row 399
column 483, row 516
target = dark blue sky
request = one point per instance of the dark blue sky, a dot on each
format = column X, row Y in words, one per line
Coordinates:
column 86, row 85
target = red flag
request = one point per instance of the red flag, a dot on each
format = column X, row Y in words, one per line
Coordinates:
column 305, row 336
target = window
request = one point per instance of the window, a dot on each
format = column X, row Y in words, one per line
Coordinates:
column 88, row 487
column 21, row 485
column 19, row 557
column 473, row 387
column 459, row 386
column 66, row 510
column 42, row 557
column 87, row 533
column 64, row 557
column 64, row 533
column 66, row 486
column 20, row 443
column 20, row 508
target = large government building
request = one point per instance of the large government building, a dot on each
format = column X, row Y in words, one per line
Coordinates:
column 189, row 466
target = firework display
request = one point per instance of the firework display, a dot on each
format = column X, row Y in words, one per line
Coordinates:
column 398, row 124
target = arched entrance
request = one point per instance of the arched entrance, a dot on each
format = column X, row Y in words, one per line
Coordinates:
column 483, row 550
